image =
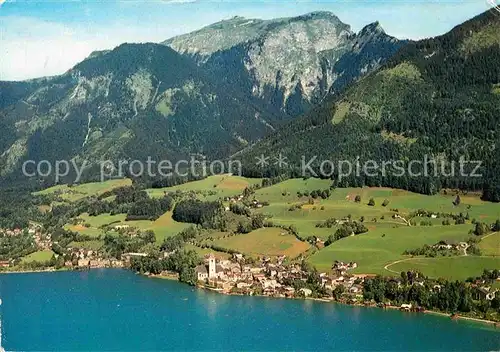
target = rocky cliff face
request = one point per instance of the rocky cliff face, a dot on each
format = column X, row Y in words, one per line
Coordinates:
column 290, row 63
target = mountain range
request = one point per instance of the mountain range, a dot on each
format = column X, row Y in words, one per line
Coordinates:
column 289, row 64
column 211, row 92
column 437, row 98
column 301, row 85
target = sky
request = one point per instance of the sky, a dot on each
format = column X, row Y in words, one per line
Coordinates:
column 47, row 37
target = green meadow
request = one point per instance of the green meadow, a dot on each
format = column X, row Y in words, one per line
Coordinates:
column 93, row 225
column 454, row 268
column 490, row 245
column 373, row 250
column 202, row 252
column 88, row 245
column 87, row 231
column 379, row 251
column 387, row 237
column 39, row 256
column 76, row 192
column 210, row 188
column 163, row 227
column 265, row 241
column 102, row 219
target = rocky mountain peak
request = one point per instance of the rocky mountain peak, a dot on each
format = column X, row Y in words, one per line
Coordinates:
column 289, row 63
column 318, row 15
column 374, row 27
column 372, row 33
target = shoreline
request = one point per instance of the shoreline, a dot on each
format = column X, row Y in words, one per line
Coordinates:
column 175, row 277
column 53, row 270
column 30, row 271
column 495, row 324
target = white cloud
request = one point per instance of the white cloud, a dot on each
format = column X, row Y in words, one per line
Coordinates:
column 33, row 48
column 30, row 47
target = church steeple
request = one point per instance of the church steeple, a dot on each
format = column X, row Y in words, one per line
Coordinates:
column 212, row 271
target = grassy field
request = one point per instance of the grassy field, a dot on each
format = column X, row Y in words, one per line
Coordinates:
column 382, row 246
column 306, row 218
column 341, row 204
column 205, row 251
column 211, row 188
column 87, row 231
column 163, row 227
column 89, row 245
column 39, row 256
column 75, row 193
column 96, row 223
column 490, row 245
column 266, row 241
column 387, row 238
column 373, row 250
column 102, row 219
column 455, row 268
column 220, row 185
column 404, row 201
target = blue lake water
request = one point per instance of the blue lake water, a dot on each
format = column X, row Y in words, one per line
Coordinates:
column 116, row 310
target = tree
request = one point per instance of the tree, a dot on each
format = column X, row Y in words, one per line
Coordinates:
column 457, row 201
column 258, row 221
column 483, row 307
column 385, row 202
column 480, row 229
column 495, row 303
column 330, row 240
column 325, row 193
column 207, row 214
column 188, row 275
column 460, row 220
column 496, row 226
column 357, row 199
column 338, row 292
column 149, row 236
column 371, row 202
column 244, row 227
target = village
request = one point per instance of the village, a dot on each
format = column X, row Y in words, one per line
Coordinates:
column 270, row 277
column 274, row 278
column 40, row 241
column 266, row 276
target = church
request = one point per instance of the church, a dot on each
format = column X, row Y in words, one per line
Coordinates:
column 209, row 269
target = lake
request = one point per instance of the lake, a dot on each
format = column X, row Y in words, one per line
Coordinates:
column 117, row 310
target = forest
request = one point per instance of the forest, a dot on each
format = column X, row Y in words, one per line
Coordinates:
column 195, row 211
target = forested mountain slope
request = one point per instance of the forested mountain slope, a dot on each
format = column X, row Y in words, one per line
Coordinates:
column 438, row 97
column 135, row 101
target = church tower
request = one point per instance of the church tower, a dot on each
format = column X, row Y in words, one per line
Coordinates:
column 212, row 271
